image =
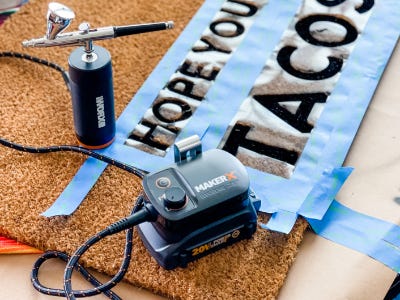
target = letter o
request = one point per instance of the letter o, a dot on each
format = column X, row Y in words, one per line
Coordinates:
column 185, row 113
column 303, row 29
column 214, row 28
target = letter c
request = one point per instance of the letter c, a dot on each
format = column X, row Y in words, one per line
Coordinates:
column 335, row 65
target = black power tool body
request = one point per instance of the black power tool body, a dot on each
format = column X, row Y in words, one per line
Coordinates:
column 204, row 203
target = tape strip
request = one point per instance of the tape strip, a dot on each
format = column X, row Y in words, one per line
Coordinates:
column 77, row 189
column 282, row 221
column 360, row 232
column 201, row 129
column 323, row 193
column 392, row 237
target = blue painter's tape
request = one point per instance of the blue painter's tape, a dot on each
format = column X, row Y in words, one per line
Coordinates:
column 279, row 218
column 323, row 193
column 258, row 179
column 200, row 129
column 69, row 200
column 359, row 232
column 393, row 236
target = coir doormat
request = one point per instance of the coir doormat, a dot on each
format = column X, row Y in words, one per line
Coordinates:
column 36, row 110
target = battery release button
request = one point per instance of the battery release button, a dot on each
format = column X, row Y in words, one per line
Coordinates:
column 175, row 198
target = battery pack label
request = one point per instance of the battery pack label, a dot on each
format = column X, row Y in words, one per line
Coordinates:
column 218, row 242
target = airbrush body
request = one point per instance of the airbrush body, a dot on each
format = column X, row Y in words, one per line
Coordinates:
column 90, row 71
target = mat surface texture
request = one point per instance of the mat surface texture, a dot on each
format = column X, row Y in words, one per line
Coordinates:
column 36, row 110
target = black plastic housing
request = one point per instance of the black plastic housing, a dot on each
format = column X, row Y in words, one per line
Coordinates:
column 219, row 208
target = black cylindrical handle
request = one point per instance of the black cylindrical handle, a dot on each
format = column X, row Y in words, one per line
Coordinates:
column 141, row 28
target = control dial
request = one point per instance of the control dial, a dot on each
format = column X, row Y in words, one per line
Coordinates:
column 175, row 198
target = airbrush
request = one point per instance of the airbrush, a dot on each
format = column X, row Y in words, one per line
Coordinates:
column 90, row 71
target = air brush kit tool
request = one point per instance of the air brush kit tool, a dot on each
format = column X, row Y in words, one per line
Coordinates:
column 199, row 204
column 90, row 71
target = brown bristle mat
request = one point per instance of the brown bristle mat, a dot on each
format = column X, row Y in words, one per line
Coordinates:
column 36, row 110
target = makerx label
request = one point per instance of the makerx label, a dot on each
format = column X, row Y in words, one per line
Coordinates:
column 274, row 122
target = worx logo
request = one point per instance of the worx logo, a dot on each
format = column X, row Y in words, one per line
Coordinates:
column 101, row 118
column 215, row 181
